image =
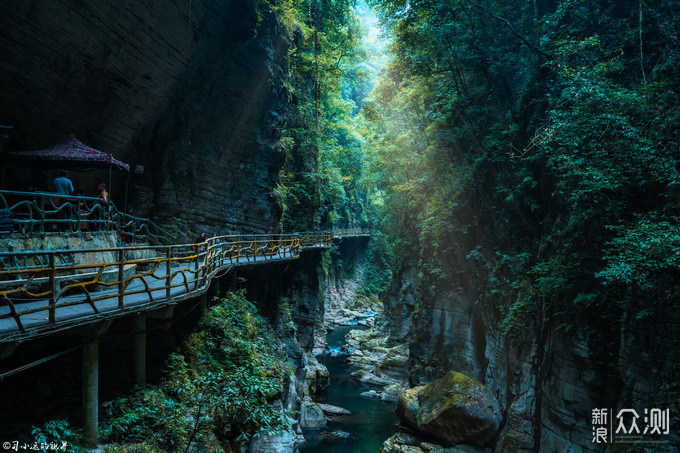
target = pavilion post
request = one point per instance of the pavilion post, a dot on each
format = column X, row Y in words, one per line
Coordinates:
column 127, row 185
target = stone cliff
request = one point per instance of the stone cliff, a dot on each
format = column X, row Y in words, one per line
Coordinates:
column 549, row 380
column 191, row 91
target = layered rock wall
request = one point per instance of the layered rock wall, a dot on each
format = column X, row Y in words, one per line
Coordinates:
column 192, row 91
column 549, row 381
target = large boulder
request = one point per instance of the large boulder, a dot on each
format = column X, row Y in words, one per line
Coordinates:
column 316, row 376
column 455, row 409
column 408, row 406
column 283, row 442
column 311, row 415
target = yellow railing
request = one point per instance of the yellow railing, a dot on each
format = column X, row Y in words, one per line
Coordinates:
column 350, row 232
column 126, row 278
column 36, row 291
column 316, row 239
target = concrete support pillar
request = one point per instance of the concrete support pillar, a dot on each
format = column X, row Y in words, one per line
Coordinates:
column 203, row 305
column 90, row 390
column 8, row 349
column 139, row 350
column 234, row 285
column 217, row 288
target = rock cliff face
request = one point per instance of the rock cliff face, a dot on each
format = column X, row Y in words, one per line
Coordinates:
column 549, row 382
column 189, row 90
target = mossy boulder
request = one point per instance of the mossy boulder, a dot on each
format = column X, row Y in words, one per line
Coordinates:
column 408, row 406
column 455, row 409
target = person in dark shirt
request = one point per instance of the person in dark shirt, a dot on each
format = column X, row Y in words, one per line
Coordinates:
column 200, row 240
column 62, row 184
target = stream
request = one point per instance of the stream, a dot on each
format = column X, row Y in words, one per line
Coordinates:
column 371, row 422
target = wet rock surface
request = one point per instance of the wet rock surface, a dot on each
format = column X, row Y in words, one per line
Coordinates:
column 311, row 415
column 378, row 365
column 408, row 443
column 285, row 442
column 331, row 410
column 331, row 436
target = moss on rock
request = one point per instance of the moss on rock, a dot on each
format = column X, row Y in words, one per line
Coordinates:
column 455, row 409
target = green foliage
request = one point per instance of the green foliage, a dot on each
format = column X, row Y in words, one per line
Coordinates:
column 150, row 416
column 58, row 432
column 320, row 179
column 286, row 317
column 377, row 271
column 145, row 447
column 645, row 256
column 217, row 389
column 527, row 154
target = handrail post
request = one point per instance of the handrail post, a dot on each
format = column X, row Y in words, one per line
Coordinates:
column 121, row 278
column 53, row 289
column 168, row 278
column 198, row 255
column 77, row 208
column 42, row 213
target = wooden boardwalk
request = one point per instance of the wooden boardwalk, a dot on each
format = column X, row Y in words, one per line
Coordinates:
column 39, row 299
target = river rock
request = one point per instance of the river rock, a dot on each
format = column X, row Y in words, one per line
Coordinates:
column 292, row 399
column 368, row 322
column 333, row 436
column 408, row 406
column 367, row 378
column 371, row 394
column 329, row 409
column 283, row 442
column 518, row 434
column 407, row 443
column 391, row 393
column 311, row 415
column 394, row 364
column 319, row 337
column 316, row 375
column 280, row 443
column 455, row 409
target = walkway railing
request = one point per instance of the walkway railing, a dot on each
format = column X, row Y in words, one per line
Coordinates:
column 48, row 289
column 38, row 212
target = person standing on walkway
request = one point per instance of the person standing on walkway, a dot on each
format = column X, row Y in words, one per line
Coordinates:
column 103, row 194
column 104, row 200
column 62, row 184
column 201, row 241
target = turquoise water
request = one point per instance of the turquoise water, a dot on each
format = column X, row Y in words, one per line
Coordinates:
column 372, row 421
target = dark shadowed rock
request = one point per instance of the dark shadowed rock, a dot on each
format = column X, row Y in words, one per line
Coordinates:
column 191, row 91
column 407, row 443
column 333, row 436
column 408, row 406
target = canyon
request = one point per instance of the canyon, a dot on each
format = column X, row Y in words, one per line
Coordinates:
column 194, row 96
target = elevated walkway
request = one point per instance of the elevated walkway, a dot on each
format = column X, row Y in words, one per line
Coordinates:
column 42, row 297
column 43, row 292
